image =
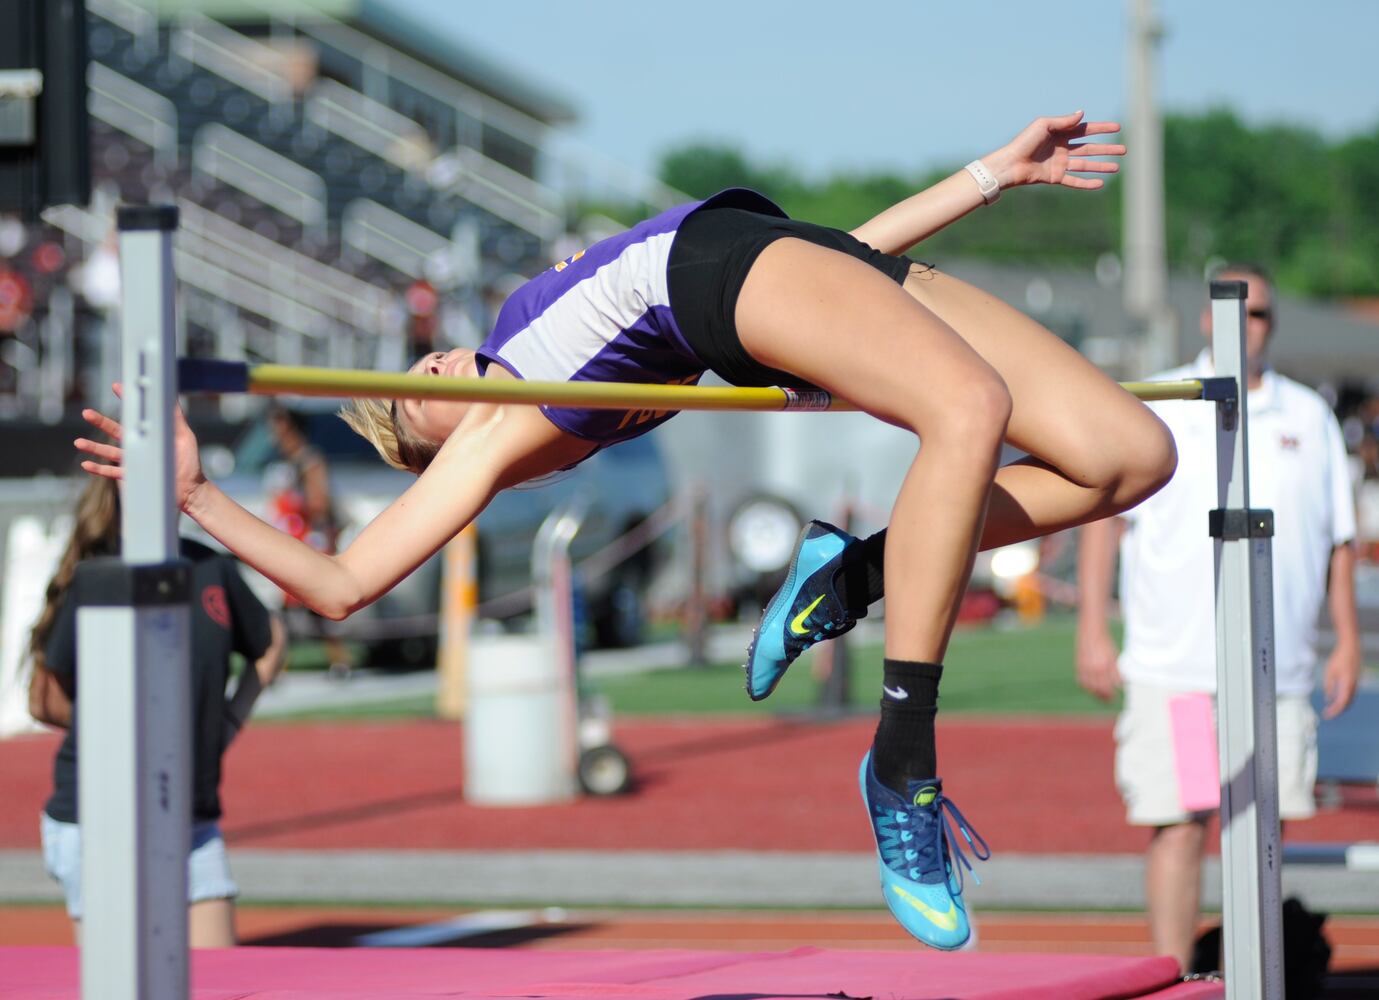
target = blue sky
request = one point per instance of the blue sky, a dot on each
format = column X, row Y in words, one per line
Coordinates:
column 827, row 85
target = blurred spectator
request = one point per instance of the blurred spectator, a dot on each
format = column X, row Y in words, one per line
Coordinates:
column 300, row 504
column 1368, row 452
column 16, row 300
column 225, row 619
column 423, row 305
column 1164, row 737
column 1367, row 499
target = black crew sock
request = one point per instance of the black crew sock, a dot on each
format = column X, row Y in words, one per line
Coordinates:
column 904, row 750
column 863, row 582
column 874, row 551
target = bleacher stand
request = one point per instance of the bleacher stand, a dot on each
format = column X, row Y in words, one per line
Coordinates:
column 322, row 170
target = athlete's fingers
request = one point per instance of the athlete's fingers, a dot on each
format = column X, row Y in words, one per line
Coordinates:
column 1082, row 183
column 1097, row 128
column 104, row 471
column 179, row 419
column 102, row 423
column 109, row 452
column 1070, row 123
column 1095, row 167
column 1096, row 149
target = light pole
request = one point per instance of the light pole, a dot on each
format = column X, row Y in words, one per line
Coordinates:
column 1146, row 264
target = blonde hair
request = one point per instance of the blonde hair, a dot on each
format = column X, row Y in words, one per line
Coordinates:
column 376, row 422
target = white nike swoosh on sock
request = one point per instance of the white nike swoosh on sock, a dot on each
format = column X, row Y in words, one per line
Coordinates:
column 899, row 694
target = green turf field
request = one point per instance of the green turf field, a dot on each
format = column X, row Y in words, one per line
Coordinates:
column 1027, row 669
column 1015, row 669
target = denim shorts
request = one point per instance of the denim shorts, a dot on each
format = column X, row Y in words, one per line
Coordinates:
column 208, row 866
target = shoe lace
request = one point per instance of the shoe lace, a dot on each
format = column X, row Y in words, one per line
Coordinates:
column 907, row 845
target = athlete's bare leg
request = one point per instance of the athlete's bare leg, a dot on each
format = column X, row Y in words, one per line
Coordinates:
column 846, row 327
column 211, row 924
column 1096, row 449
column 962, row 371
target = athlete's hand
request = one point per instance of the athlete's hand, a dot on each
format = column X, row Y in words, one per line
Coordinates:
column 1046, row 153
column 1096, row 656
column 186, row 455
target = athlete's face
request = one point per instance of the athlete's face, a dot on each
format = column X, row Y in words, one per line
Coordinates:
column 434, row 419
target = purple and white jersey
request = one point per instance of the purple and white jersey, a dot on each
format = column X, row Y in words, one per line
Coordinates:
column 604, row 315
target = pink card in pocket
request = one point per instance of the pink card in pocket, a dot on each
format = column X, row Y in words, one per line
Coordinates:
column 1194, row 751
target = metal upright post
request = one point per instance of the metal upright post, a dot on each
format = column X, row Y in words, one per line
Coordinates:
column 553, row 583
column 1250, row 857
column 134, row 697
column 696, row 609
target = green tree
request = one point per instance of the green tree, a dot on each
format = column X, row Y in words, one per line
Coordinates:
column 1278, row 195
column 701, row 169
column 1352, row 234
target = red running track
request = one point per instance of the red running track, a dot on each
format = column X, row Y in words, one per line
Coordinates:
column 1030, row 786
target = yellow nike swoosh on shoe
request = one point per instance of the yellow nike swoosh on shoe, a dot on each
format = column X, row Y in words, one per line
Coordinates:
column 797, row 623
column 945, row 921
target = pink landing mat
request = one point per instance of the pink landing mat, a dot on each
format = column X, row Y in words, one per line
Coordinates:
column 802, row 974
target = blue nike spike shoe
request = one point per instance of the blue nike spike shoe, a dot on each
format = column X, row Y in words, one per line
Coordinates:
column 807, row 608
column 920, row 860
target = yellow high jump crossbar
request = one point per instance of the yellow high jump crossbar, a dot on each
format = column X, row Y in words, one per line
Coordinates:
column 200, row 375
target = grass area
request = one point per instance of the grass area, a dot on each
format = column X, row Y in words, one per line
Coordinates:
column 310, row 655
column 1014, row 669
column 989, row 669
column 421, row 706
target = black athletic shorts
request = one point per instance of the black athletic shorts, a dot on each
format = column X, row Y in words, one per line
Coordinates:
column 709, row 260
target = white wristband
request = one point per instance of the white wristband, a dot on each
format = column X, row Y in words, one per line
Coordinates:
column 986, row 181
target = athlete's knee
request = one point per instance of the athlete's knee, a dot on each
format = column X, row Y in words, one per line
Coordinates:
column 980, row 413
column 1149, row 462
column 1187, row 836
column 966, row 414
column 1125, row 460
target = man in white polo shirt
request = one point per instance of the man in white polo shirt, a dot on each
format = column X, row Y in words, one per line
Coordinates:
column 1165, row 763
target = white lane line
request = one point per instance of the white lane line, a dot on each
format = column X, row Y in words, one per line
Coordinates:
column 458, row 928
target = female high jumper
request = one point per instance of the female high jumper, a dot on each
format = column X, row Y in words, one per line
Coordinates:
column 733, row 286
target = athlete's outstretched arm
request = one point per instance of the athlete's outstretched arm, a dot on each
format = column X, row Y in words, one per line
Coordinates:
column 1043, row 153
column 493, row 447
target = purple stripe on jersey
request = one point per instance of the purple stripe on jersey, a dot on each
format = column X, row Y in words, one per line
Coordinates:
column 541, row 292
column 638, row 350
column 643, row 347
column 650, row 349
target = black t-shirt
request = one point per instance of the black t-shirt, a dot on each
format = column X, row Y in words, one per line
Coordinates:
column 225, row 618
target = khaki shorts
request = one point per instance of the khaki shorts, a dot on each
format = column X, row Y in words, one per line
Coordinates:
column 1147, row 774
